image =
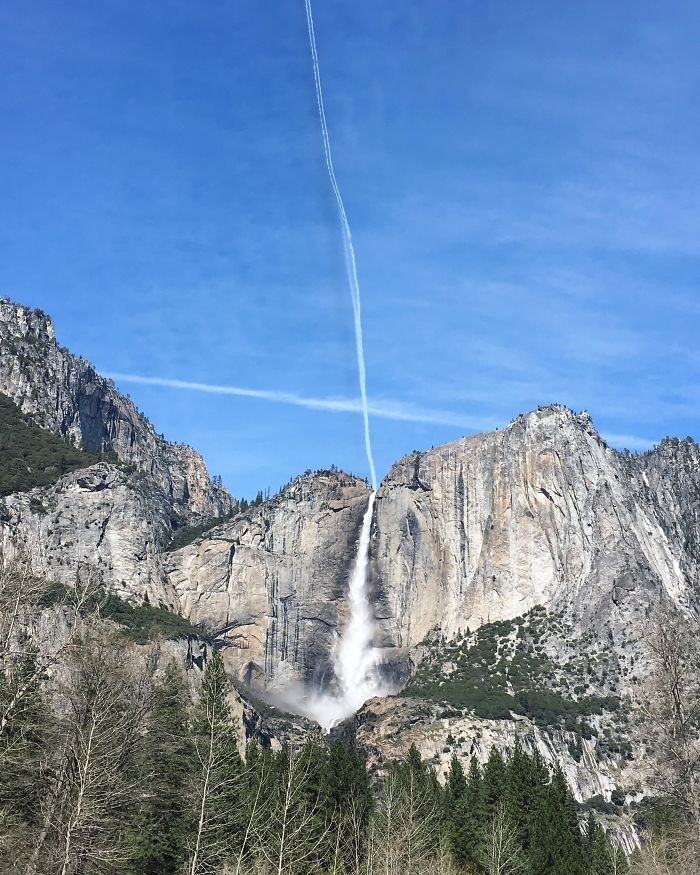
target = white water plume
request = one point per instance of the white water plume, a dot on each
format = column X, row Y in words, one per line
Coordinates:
column 350, row 261
column 354, row 659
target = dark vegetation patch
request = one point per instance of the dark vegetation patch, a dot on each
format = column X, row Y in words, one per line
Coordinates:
column 32, row 456
column 189, row 534
column 142, row 623
column 138, row 623
column 503, row 669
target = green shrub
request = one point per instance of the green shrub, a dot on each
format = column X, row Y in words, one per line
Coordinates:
column 497, row 676
column 142, row 623
column 139, row 623
column 32, row 456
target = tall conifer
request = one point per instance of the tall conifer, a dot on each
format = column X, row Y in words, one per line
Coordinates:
column 162, row 828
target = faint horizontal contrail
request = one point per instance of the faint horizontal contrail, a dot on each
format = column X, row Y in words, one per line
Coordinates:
column 396, row 410
column 386, row 409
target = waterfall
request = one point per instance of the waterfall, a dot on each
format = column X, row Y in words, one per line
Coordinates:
column 354, row 658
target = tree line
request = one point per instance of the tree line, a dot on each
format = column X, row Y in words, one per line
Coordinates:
column 114, row 760
column 126, row 776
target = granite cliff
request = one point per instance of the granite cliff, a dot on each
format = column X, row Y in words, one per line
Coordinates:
column 271, row 582
column 117, row 516
column 541, row 512
column 65, row 394
column 513, row 573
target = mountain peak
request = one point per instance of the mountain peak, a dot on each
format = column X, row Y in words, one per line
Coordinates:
column 25, row 323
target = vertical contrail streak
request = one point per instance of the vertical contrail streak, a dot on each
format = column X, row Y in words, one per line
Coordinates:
column 350, row 262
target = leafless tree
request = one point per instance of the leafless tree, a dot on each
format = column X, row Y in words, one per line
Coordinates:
column 255, row 815
column 40, row 625
column 668, row 853
column 225, row 823
column 501, row 853
column 357, row 835
column 89, row 775
column 290, row 838
column 405, row 835
column 670, row 708
column 28, row 648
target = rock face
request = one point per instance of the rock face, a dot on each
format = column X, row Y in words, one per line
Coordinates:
column 484, row 529
column 271, row 583
column 387, row 728
column 113, row 518
column 540, row 518
column 540, row 513
column 670, row 481
column 64, row 394
column 103, row 520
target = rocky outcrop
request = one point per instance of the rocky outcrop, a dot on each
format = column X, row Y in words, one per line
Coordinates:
column 271, row 583
column 66, row 395
column 670, row 481
column 542, row 512
column 105, row 521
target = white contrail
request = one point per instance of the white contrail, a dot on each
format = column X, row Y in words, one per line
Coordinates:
column 386, row 409
column 350, row 262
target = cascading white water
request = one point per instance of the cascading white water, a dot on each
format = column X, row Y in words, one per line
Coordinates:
column 354, row 658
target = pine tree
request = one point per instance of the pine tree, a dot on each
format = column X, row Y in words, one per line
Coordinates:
column 494, row 781
column 456, row 783
column 469, row 818
column 601, row 856
column 526, row 778
column 162, row 828
column 589, row 840
column 218, row 816
column 348, row 800
column 556, row 846
column 455, row 788
column 603, row 859
column 315, row 802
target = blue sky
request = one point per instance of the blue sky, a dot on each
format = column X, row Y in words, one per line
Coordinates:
column 523, row 182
